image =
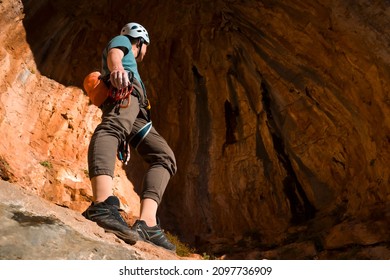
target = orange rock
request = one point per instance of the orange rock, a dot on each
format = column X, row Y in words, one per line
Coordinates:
column 278, row 113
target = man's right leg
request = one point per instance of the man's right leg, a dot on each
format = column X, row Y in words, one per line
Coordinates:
column 101, row 164
column 105, row 210
column 101, row 187
column 106, row 215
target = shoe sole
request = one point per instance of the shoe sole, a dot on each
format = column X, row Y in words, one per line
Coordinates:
column 125, row 237
column 154, row 244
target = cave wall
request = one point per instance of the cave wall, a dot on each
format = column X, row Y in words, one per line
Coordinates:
column 277, row 111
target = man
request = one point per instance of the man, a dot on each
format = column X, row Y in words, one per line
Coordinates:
column 119, row 124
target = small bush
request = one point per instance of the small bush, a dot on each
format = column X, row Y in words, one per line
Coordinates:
column 46, row 164
column 182, row 250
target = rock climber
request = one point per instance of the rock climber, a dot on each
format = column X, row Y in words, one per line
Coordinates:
column 121, row 125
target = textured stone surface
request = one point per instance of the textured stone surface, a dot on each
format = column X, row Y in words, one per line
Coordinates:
column 278, row 113
column 33, row 228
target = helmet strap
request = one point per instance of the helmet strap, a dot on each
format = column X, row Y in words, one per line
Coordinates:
column 140, row 44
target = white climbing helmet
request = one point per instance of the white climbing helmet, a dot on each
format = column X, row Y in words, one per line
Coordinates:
column 136, row 30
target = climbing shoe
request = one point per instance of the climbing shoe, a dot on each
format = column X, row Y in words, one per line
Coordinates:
column 106, row 215
column 154, row 235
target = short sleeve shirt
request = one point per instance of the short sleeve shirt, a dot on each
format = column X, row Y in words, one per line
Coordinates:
column 128, row 61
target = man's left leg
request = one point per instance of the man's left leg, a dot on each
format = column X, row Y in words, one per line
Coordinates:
column 162, row 166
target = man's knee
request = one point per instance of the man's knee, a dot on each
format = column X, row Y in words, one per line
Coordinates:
column 171, row 163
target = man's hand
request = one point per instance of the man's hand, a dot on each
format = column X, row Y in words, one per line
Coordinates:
column 119, row 78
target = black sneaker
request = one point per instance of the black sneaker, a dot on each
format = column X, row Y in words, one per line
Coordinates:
column 106, row 214
column 154, row 234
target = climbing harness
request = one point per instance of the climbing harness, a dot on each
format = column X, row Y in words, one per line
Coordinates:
column 124, row 148
column 137, row 138
column 99, row 89
column 134, row 140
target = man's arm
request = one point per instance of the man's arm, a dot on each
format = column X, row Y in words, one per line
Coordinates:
column 118, row 76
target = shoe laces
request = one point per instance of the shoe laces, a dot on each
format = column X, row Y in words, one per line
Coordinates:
column 114, row 210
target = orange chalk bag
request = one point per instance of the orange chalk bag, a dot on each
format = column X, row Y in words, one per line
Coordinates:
column 96, row 89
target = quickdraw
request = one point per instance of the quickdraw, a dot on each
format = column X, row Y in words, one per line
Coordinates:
column 122, row 96
column 123, row 153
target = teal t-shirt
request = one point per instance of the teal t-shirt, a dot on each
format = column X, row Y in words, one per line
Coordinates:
column 128, row 61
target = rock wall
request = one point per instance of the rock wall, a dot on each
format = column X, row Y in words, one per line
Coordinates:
column 278, row 113
column 46, row 125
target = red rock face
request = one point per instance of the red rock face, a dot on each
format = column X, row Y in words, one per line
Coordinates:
column 278, row 114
